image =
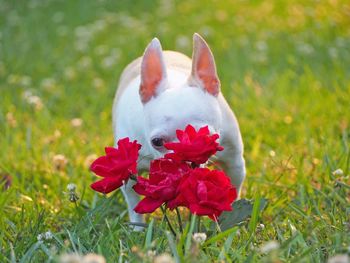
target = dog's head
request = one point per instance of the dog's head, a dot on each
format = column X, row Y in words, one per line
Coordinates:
column 172, row 99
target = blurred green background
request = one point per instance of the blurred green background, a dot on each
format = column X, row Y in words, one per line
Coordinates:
column 284, row 68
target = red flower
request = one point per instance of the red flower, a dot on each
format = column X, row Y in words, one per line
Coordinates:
column 116, row 167
column 205, row 192
column 194, row 146
column 161, row 186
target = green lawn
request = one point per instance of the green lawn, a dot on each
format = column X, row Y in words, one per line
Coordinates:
column 284, row 68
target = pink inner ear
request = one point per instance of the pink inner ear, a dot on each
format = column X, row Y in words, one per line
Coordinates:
column 206, row 71
column 151, row 74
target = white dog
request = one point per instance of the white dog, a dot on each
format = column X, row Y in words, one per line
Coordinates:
column 163, row 91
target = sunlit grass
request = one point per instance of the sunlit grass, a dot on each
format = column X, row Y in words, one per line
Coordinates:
column 284, row 68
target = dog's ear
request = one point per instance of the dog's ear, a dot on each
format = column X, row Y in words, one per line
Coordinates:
column 203, row 67
column 153, row 71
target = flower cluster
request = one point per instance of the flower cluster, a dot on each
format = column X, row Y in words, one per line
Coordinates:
column 174, row 180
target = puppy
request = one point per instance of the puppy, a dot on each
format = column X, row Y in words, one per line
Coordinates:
column 164, row 91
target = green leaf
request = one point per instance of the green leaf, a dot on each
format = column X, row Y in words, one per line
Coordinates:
column 241, row 210
column 149, row 235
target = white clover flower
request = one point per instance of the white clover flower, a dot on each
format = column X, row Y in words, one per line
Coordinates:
column 151, row 253
column 305, row 48
column 101, row 50
column 163, row 258
column 25, row 81
column 269, row 246
column 93, row 258
column 182, row 41
column 261, row 45
column 199, row 238
column 59, row 161
column 48, row 235
column 338, row 172
column 11, row 120
column 48, row 83
column 339, row 259
column 35, row 101
column 69, row 73
column 109, row 61
column 76, row 122
column 85, row 62
column 71, row 187
column 70, row 258
column 333, row 52
column 40, row 237
column 98, row 83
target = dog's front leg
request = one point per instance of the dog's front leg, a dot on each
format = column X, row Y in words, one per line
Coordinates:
column 132, row 199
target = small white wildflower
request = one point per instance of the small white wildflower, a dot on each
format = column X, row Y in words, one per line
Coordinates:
column 48, row 83
column 76, row 122
column 101, row 50
column 81, row 45
column 36, row 102
column 11, row 120
column 85, row 62
column 26, row 94
column 70, row 258
column 333, row 52
column 163, row 258
column 183, row 42
column 25, row 81
column 269, row 246
column 206, row 31
column 272, row 153
column 339, row 259
column 59, row 161
column 261, row 45
column 150, row 253
column 338, row 172
column 199, row 238
column 40, row 237
column 262, row 226
column 99, row 25
column 166, row 7
column 238, row 233
column 69, row 73
column 71, row 187
column 93, row 258
column 109, row 61
column 98, row 83
column 305, row 48
column 48, row 235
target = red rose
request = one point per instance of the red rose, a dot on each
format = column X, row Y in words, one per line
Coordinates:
column 205, row 192
column 161, row 186
column 116, row 167
column 193, row 146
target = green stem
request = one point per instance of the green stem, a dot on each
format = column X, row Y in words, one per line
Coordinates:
column 198, row 224
column 179, row 219
column 168, row 221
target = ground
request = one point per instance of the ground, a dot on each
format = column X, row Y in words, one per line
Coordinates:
column 284, row 68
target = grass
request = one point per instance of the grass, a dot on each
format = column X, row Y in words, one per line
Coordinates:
column 284, row 68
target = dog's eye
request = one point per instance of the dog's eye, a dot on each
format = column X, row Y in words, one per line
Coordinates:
column 157, row 142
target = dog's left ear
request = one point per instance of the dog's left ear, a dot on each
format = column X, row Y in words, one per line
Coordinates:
column 203, row 67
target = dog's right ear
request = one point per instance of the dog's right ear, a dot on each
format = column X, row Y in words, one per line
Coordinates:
column 153, row 71
column 203, row 67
